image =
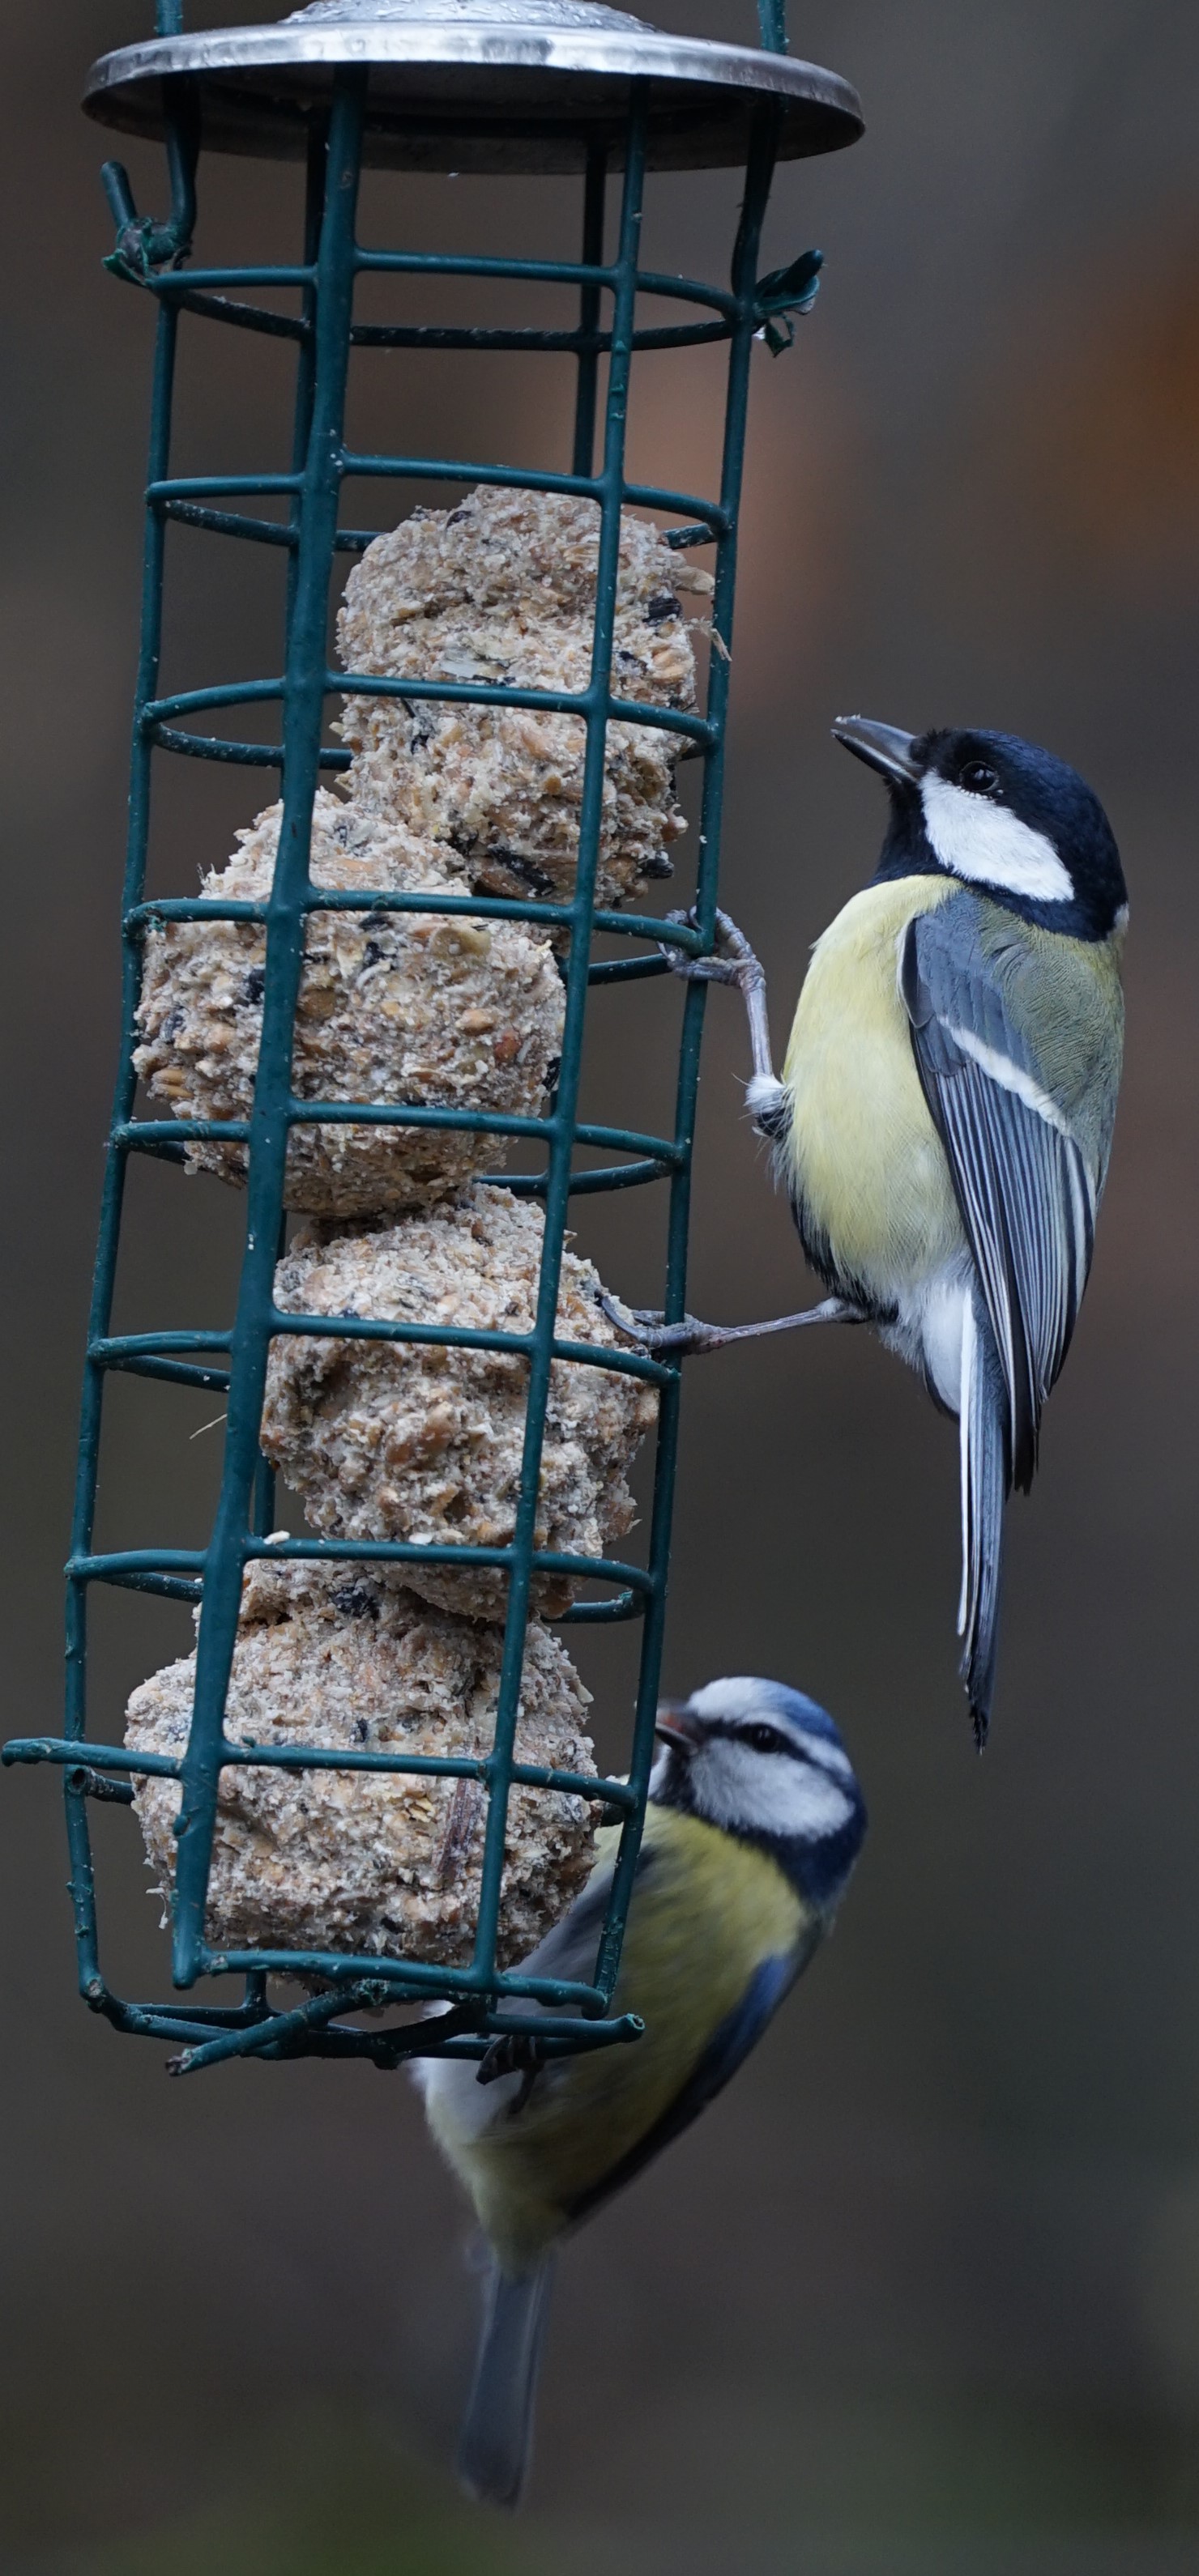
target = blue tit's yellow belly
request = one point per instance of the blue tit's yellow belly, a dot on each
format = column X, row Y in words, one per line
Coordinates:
column 705, row 1913
column 862, row 1159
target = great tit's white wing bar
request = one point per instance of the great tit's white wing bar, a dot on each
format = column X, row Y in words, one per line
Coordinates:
column 1026, row 1195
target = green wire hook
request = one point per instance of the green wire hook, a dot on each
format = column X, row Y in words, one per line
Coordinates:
column 143, row 247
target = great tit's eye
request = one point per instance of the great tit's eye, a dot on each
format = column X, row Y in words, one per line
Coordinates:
column 766, row 1739
column 979, row 777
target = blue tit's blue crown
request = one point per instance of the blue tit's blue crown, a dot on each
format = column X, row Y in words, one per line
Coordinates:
column 1010, row 818
column 801, row 1711
column 766, row 1764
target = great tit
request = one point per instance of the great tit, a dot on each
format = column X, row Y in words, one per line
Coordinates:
column 944, row 1119
column 754, row 1822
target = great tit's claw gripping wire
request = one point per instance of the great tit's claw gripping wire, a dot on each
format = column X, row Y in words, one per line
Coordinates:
column 680, row 1340
column 645, row 1326
column 695, row 970
column 512, row 2054
column 733, row 962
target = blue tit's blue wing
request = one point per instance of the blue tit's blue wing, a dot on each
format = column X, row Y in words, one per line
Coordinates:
column 726, row 2050
column 1026, row 1193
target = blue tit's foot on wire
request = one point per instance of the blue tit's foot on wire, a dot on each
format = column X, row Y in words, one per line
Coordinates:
column 513, row 2053
column 641, row 1325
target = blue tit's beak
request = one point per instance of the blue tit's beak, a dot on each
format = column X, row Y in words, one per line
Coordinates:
column 882, row 747
column 675, row 1725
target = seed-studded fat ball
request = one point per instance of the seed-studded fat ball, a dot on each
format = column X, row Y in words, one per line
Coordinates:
column 386, row 1862
column 502, row 589
column 394, row 1007
column 414, row 1441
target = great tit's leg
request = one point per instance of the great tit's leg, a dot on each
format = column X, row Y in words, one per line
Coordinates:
column 651, row 1334
column 733, row 963
column 512, row 2054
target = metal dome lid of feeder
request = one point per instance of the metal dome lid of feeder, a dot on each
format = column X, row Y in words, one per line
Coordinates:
column 479, row 86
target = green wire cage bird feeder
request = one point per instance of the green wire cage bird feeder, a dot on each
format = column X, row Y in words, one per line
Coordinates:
column 472, row 86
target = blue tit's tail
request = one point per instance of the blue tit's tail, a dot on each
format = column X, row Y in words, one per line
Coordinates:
column 497, row 2434
column 986, row 1477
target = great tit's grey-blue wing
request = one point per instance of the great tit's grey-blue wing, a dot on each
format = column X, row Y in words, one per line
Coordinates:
column 727, row 2049
column 1026, row 1194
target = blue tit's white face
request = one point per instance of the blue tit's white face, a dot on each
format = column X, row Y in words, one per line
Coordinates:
column 767, row 1765
column 997, row 813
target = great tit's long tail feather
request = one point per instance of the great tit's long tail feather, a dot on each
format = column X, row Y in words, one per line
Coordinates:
column 984, row 1445
column 497, row 2433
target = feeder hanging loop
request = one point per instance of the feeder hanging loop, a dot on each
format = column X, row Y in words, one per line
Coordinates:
column 785, row 292
column 145, row 248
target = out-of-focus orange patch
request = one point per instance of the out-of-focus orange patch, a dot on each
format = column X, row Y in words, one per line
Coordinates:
column 1103, row 436
column 799, row 472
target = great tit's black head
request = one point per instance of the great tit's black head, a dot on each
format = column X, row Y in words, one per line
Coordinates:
column 999, row 814
column 767, row 1765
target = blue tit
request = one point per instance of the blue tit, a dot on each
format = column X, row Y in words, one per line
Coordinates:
column 944, row 1119
column 754, row 1822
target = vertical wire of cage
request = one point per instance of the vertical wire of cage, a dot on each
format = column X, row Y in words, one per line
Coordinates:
column 606, row 124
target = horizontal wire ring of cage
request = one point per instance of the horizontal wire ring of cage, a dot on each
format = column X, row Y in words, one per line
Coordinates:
column 205, row 292
column 324, row 332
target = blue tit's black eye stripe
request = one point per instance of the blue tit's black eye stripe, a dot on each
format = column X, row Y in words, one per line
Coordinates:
column 767, row 1739
column 758, row 1734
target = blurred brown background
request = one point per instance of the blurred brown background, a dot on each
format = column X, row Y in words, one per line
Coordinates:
column 922, row 2293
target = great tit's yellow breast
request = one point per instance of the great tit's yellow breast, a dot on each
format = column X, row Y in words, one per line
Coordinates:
column 706, row 1912
column 862, row 1157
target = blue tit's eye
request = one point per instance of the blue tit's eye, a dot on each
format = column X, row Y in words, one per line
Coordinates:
column 979, row 777
column 766, row 1739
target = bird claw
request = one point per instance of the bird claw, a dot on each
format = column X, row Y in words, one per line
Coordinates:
column 645, row 1326
column 627, row 1316
column 676, row 1340
column 732, row 962
column 513, row 2053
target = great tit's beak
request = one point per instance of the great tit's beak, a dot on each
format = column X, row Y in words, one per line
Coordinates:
column 675, row 1725
column 882, row 747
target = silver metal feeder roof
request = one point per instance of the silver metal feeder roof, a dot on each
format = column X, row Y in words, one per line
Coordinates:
column 478, row 86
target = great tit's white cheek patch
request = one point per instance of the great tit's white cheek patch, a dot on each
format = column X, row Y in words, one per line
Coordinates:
column 990, row 846
column 748, row 1792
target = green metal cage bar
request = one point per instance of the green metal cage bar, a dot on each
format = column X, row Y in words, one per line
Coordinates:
column 325, row 332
